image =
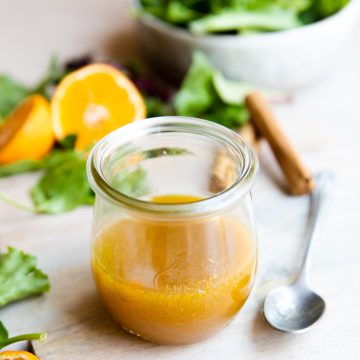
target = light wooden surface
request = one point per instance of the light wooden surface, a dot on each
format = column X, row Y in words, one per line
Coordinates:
column 323, row 121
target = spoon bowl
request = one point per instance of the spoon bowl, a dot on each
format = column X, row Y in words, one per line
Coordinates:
column 293, row 308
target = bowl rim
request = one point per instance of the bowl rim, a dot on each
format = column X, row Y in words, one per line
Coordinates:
column 162, row 25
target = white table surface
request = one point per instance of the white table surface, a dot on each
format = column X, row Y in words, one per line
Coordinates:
column 324, row 123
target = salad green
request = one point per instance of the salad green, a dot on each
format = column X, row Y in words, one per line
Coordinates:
column 207, row 94
column 63, row 184
column 240, row 16
column 20, row 277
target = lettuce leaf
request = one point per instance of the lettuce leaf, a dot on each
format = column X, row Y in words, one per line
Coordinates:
column 217, row 16
column 201, row 96
column 229, row 20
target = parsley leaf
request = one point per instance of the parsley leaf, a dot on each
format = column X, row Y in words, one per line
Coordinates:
column 19, row 277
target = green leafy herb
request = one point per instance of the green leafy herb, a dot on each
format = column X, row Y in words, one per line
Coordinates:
column 178, row 13
column 206, row 94
column 131, row 183
column 10, row 201
column 134, row 182
column 197, row 92
column 20, row 167
column 218, row 16
column 5, row 340
column 156, row 107
column 230, row 20
column 234, row 92
column 63, row 185
column 231, row 116
column 326, row 8
column 19, row 277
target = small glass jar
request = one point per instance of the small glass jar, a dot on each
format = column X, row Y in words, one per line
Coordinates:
column 174, row 248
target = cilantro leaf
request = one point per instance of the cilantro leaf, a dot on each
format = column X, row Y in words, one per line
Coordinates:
column 5, row 340
column 19, row 277
column 64, row 185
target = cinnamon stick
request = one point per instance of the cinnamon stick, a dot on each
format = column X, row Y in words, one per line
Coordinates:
column 298, row 176
column 223, row 172
column 249, row 133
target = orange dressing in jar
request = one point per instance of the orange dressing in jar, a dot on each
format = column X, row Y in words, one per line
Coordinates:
column 174, row 282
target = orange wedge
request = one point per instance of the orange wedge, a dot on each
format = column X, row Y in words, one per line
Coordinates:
column 17, row 355
column 93, row 101
column 27, row 132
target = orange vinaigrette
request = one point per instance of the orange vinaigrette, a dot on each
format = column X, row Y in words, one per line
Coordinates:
column 174, row 282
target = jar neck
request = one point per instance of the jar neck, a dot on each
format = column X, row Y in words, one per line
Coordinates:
column 139, row 130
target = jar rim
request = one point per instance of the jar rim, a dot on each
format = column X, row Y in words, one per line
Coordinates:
column 218, row 201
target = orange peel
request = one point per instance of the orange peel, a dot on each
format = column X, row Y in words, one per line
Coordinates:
column 93, row 101
column 17, row 355
column 27, row 132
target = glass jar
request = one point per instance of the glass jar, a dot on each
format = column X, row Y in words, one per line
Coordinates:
column 174, row 249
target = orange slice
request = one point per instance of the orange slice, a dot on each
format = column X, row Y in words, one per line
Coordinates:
column 93, row 101
column 27, row 132
column 17, row 355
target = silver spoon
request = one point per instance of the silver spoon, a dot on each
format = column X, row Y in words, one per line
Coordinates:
column 294, row 308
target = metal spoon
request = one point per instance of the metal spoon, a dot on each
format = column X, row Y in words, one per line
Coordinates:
column 294, row 308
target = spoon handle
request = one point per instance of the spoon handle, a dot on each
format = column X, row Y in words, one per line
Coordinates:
column 317, row 199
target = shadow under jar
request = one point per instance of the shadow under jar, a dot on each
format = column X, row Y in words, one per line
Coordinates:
column 174, row 249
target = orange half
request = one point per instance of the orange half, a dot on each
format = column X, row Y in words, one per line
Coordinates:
column 17, row 355
column 27, row 133
column 93, row 101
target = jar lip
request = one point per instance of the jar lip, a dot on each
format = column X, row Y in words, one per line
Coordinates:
column 241, row 186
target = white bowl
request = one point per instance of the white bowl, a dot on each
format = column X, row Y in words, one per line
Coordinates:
column 283, row 60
